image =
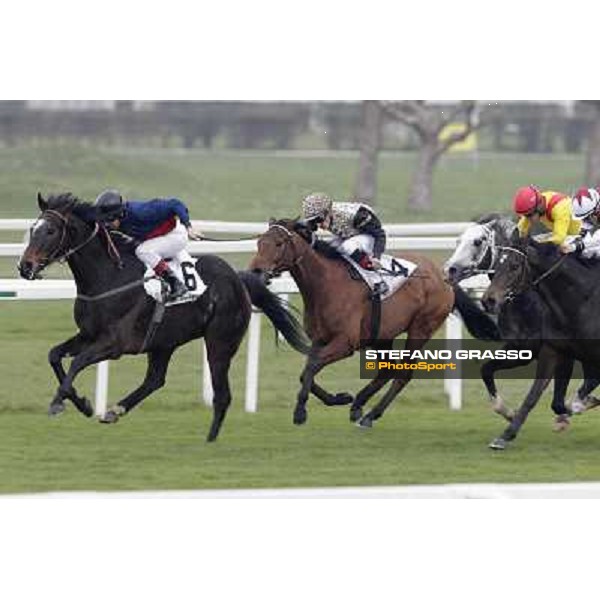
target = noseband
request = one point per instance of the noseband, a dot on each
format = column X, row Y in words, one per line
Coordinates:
column 64, row 221
column 289, row 239
column 490, row 246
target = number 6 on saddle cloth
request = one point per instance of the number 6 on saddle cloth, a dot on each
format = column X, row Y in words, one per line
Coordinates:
column 184, row 267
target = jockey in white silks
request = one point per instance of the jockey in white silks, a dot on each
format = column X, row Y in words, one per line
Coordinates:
column 586, row 208
column 357, row 229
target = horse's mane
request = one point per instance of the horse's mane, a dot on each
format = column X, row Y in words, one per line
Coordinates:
column 488, row 217
column 64, row 201
column 322, row 247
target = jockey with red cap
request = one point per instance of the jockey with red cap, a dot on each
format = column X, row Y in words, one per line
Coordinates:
column 586, row 208
column 552, row 209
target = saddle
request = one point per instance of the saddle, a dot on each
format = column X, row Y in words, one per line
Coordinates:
column 184, row 267
column 393, row 274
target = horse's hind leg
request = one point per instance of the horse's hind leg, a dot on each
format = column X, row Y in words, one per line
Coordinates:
column 158, row 363
column 70, row 347
column 371, row 388
column 219, row 354
column 413, row 342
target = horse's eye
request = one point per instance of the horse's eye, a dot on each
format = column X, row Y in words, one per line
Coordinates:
column 477, row 242
column 51, row 231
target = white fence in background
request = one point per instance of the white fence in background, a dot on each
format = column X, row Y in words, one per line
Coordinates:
column 65, row 289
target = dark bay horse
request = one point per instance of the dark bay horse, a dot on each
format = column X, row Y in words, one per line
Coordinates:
column 569, row 289
column 338, row 310
column 114, row 314
column 520, row 322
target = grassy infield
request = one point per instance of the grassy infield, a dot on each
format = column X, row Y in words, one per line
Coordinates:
column 161, row 444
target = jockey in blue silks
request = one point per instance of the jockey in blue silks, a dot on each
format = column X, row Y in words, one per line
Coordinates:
column 161, row 228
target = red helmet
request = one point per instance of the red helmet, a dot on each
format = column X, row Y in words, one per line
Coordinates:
column 526, row 200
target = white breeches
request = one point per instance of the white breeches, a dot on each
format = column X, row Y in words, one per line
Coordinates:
column 151, row 252
column 361, row 242
column 591, row 243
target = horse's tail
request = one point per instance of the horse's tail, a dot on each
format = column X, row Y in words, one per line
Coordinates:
column 477, row 322
column 277, row 311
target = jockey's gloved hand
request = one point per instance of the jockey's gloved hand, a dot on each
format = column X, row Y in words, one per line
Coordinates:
column 376, row 263
column 193, row 235
column 572, row 246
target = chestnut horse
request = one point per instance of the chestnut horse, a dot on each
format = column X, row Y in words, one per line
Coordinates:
column 337, row 312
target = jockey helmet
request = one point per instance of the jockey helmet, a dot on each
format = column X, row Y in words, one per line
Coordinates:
column 316, row 206
column 526, row 200
column 586, row 201
column 109, row 205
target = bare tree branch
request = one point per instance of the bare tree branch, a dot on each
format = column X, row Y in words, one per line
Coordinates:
column 409, row 112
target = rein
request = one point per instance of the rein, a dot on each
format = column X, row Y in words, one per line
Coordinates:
column 527, row 268
column 288, row 239
column 53, row 258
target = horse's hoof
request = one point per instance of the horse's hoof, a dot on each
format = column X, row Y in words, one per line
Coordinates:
column 342, row 399
column 366, row 422
column 561, row 423
column 300, row 417
column 112, row 415
column 498, row 444
column 355, row 414
column 109, row 417
column 56, row 408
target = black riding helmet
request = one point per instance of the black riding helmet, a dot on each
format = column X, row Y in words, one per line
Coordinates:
column 109, row 205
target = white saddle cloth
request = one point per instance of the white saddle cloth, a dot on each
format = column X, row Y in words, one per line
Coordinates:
column 394, row 272
column 184, row 266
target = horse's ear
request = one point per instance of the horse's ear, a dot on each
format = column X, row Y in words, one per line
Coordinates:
column 41, row 202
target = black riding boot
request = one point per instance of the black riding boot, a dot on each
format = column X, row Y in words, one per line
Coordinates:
column 177, row 289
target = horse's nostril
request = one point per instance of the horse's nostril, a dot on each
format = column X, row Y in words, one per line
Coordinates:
column 452, row 270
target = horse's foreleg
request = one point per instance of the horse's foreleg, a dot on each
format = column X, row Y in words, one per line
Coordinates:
column 488, row 369
column 91, row 354
column 583, row 400
column 319, row 357
column 562, row 377
column 544, row 373
column 312, row 367
column 158, row 362
column 70, row 347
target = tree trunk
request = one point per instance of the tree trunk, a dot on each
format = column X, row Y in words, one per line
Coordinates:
column 420, row 191
column 592, row 175
column 370, row 140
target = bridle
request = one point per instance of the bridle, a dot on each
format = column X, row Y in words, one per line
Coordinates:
column 489, row 246
column 524, row 282
column 287, row 240
column 64, row 221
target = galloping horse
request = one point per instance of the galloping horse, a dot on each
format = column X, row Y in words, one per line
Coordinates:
column 115, row 315
column 569, row 290
column 338, row 312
